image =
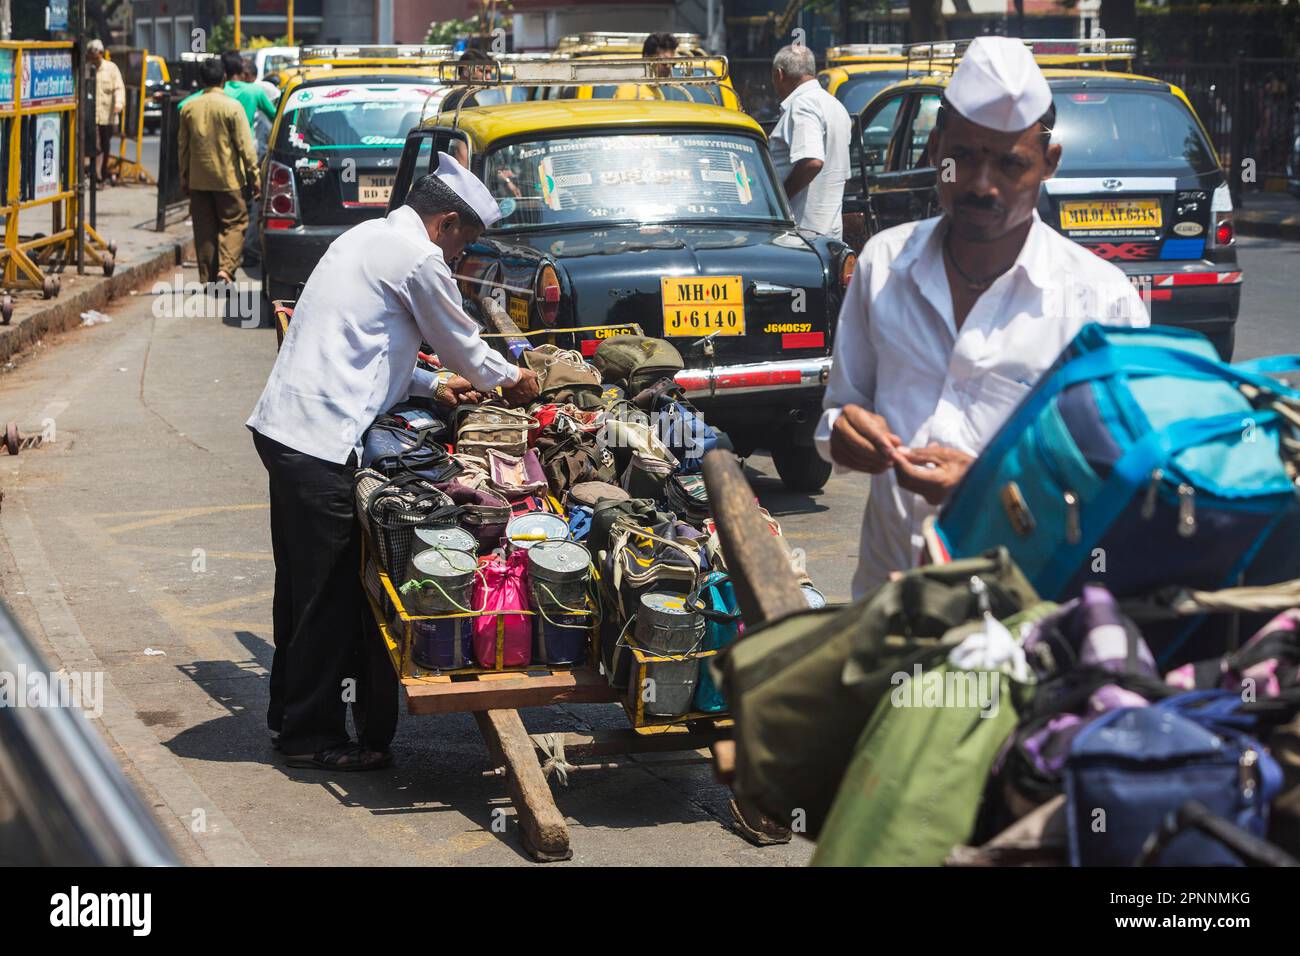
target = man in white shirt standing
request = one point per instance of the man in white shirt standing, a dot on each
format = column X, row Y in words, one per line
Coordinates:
column 810, row 143
column 350, row 353
column 949, row 322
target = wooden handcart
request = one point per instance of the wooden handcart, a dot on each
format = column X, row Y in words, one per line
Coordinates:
column 495, row 698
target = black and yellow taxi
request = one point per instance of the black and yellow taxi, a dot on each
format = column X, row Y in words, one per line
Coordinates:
column 856, row 72
column 333, row 151
column 693, row 61
column 1139, row 183
column 661, row 214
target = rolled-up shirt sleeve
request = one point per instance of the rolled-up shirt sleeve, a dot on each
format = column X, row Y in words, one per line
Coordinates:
column 431, row 294
column 853, row 367
column 807, row 133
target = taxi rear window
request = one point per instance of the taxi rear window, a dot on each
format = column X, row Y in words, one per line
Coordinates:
column 632, row 178
column 1123, row 131
column 857, row 91
column 351, row 117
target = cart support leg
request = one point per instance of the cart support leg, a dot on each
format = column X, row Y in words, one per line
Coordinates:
column 545, row 834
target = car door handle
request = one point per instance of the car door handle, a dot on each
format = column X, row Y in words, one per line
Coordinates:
column 770, row 289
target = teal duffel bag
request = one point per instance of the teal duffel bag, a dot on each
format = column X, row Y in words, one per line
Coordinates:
column 1141, row 461
column 716, row 600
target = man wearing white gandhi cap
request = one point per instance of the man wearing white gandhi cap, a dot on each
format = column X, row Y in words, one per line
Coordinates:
column 948, row 322
column 381, row 289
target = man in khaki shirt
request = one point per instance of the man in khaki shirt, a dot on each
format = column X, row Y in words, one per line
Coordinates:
column 216, row 162
column 110, row 102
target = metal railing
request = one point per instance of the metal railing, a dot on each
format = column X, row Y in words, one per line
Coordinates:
column 1250, row 108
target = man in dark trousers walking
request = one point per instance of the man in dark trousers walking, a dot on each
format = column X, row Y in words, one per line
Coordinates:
column 217, row 162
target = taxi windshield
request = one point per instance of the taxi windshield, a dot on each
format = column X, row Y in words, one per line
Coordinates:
column 1126, row 131
column 351, row 117
column 632, row 178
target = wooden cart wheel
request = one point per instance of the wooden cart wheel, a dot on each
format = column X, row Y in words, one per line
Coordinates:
column 58, row 284
column 6, row 308
column 11, row 438
column 109, row 264
column 49, row 289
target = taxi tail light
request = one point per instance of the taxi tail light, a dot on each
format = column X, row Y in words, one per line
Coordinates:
column 848, row 265
column 281, row 195
column 1224, row 234
column 548, row 295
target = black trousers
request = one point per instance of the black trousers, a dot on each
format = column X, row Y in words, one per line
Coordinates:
column 327, row 648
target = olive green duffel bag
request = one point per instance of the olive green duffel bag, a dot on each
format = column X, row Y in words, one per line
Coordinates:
column 802, row 688
column 636, row 361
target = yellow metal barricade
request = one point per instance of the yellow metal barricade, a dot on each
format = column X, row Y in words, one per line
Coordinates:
column 134, row 65
column 38, row 108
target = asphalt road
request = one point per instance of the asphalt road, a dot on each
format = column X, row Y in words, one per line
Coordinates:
column 137, row 544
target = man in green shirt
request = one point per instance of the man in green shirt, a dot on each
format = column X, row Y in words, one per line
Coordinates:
column 250, row 96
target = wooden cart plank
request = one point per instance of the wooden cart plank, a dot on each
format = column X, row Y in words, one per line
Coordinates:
column 583, row 686
column 545, row 834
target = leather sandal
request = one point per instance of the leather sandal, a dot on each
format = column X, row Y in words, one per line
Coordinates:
column 345, row 757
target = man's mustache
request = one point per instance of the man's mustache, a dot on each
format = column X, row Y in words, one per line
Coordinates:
column 981, row 203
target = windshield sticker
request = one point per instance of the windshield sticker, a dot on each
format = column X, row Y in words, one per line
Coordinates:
column 295, row 138
column 378, row 95
column 507, row 206
column 382, row 140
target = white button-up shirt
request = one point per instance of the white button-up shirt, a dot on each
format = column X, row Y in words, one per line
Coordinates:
column 350, row 352
column 898, row 353
column 814, row 125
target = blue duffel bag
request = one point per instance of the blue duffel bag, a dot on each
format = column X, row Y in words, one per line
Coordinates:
column 1141, row 461
column 1131, row 767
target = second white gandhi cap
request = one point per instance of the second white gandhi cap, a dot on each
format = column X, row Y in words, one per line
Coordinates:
column 469, row 188
column 997, row 84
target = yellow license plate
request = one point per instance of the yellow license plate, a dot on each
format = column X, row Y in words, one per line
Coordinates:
column 1111, row 214
column 698, row 305
column 374, row 190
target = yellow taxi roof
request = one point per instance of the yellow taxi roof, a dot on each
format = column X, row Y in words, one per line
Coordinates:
column 1054, row 73
column 941, row 77
column 487, row 124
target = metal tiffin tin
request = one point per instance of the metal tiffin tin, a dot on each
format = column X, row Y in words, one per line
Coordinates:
column 438, row 581
column 527, row 530
column 449, row 539
column 558, row 575
column 665, row 625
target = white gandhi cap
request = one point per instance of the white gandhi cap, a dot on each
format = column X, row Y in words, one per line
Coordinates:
column 997, row 84
column 468, row 187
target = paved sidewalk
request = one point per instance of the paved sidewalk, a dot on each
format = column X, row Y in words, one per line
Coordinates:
column 1276, row 215
column 124, row 215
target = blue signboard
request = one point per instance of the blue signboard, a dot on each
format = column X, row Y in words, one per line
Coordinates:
column 6, row 77
column 47, row 77
column 56, row 15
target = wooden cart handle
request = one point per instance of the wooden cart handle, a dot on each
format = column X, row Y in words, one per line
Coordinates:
column 765, row 585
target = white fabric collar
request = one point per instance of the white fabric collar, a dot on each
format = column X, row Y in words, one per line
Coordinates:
column 799, row 90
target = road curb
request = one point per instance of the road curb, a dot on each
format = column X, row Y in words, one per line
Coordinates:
column 64, row 312
column 1288, row 228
